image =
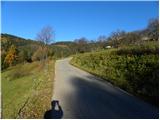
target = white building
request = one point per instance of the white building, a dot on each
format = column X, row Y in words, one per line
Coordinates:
column 108, row 47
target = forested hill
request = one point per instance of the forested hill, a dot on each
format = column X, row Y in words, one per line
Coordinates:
column 26, row 50
column 22, row 42
column 18, row 41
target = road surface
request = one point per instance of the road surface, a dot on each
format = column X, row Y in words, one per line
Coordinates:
column 82, row 95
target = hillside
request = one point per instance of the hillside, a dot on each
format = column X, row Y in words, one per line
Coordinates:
column 17, row 41
column 133, row 68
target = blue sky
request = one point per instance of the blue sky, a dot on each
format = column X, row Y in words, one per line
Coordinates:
column 71, row 20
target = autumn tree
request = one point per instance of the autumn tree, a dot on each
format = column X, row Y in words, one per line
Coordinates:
column 11, row 55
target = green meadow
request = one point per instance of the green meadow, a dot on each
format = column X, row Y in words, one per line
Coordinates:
column 27, row 90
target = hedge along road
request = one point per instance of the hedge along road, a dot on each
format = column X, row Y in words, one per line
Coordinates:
column 78, row 94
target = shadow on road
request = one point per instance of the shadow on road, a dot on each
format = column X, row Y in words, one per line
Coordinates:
column 56, row 112
column 96, row 100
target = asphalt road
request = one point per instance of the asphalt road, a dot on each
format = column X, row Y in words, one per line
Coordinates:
column 78, row 94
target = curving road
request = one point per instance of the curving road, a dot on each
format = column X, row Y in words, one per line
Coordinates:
column 82, row 95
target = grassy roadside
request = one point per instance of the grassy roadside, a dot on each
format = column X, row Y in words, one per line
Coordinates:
column 27, row 90
column 134, row 68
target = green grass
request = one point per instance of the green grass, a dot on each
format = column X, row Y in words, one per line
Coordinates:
column 27, row 90
column 133, row 68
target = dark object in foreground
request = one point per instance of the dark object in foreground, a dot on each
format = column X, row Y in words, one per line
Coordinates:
column 54, row 113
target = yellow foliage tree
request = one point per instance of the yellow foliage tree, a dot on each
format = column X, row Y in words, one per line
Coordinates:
column 11, row 55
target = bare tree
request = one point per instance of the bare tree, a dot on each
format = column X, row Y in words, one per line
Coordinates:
column 81, row 44
column 153, row 29
column 116, row 37
column 45, row 36
column 81, row 41
column 102, row 38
